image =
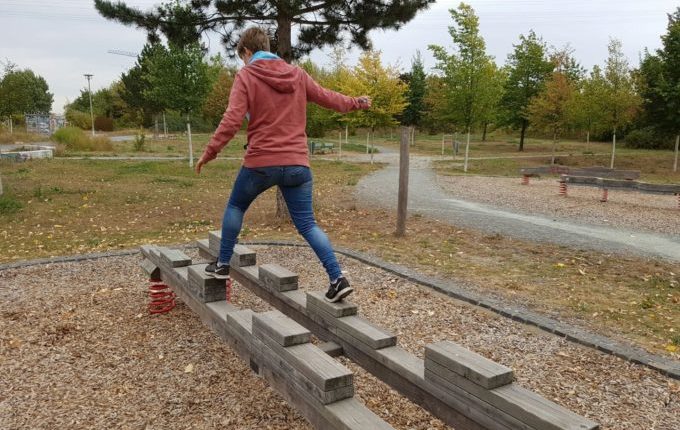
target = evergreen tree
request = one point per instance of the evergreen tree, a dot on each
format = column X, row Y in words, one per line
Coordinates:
column 136, row 86
column 320, row 24
column 416, row 93
column 528, row 70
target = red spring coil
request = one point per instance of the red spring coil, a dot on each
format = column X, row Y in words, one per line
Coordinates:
column 563, row 188
column 605, row 195
column 228, row 290
column 161, row 298
column 525, row 180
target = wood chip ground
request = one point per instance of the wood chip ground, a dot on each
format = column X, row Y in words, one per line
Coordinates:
column 79, row 350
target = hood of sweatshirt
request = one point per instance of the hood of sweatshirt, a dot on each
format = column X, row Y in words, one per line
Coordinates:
column 276, row 73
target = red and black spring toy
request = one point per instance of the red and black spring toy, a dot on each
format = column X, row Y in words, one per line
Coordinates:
column 161, row 298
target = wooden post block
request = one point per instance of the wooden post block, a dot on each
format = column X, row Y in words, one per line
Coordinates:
column 465, row 363
column 324, row 372
column 242, row 256
column 204, row 250
column 150, row 269
column 208, row 289
column 149, row 251
column 280, row 328
column 519, row 403
column 300, row 382
column 174, row 257
column 278, row 278
column 356, row 328
column 331, row 348
column 214, row 238
column 316, row 303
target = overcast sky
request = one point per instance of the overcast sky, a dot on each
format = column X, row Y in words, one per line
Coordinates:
column 63, row 39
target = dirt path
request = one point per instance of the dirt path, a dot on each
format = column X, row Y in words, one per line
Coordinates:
column 427, row 198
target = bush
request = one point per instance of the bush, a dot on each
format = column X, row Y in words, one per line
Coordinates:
column 103, row 123
column 75, row 139
column 79, row 119
column 9, row 205
column 648, row 138
column 139, row 142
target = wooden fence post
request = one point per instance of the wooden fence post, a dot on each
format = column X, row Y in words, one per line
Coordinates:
column 402, row 202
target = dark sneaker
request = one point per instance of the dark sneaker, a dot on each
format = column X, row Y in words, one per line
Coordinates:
column 338, row 290
column 218, row 272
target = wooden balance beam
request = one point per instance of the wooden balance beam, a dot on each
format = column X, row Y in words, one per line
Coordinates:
column 462, row 388
column 607, row 184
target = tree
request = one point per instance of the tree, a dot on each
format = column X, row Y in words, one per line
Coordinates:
column 178, row 78
column 320, row 23
column 136, row 86
column 586, row 104
column 382, row 84
column 464, row 70
column 22, row 91
column 528, row 70
column 490, row 95
column 549, row 110
column 621, row 100
column 416, row 93
column 660, row 84
column 218, row 97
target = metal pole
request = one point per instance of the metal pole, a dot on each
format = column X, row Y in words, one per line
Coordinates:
column 677, row 145
column 467, row 152
column 402, row 199
column 339, row 145
column 89, row 92
column 611, row 165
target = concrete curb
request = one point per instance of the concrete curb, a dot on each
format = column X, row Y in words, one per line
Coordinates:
column 625, row 351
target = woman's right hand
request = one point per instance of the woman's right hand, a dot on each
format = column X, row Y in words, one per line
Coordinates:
column 365, row 101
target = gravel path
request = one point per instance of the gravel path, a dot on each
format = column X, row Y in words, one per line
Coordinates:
column 515, row 212
column 78, row 351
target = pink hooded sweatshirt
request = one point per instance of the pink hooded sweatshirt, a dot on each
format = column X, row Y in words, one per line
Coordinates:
column 275, row 95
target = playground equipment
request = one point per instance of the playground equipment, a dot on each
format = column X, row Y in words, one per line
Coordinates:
column 461, row 388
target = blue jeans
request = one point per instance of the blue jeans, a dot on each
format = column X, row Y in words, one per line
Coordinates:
column 295, row 183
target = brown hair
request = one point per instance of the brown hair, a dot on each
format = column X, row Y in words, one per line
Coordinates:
column 255, row 39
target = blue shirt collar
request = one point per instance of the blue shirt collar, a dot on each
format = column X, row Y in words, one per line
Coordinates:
column 263, row 55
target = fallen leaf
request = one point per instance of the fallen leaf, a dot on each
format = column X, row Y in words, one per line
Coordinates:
column 189, row 368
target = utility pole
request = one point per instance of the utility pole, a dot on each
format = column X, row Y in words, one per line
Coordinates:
column 89, row 92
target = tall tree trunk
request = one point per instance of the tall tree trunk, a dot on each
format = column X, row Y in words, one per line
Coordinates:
column 165, row 126
column 283, row 50
column 486, row 126
column 525, row 123
column 155, row 129
column 467, row 151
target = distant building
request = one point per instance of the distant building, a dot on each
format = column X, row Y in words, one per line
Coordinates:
column 44, row 123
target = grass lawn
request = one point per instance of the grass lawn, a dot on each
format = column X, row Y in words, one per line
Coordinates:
column 63, row 207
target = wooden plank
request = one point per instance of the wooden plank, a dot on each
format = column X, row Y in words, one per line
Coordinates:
column 296, row 299
column 242, row 256
column 149, row 251
column 322, row 370
column 278, row 278
column 357, row 328
column 280, row 328
column 331, row 348
column 207, row 288
column 214, row 238
column 522, row 404
column 269, row 358
column 468, row 364
column 174, row 257
column 352, row 415
column 338, row 309
column 150, row 269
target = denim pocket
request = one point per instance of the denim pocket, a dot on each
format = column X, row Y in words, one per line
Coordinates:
column 296, row 175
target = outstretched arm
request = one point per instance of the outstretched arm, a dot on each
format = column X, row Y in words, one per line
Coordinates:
column 230, row 124
column 333, row 100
